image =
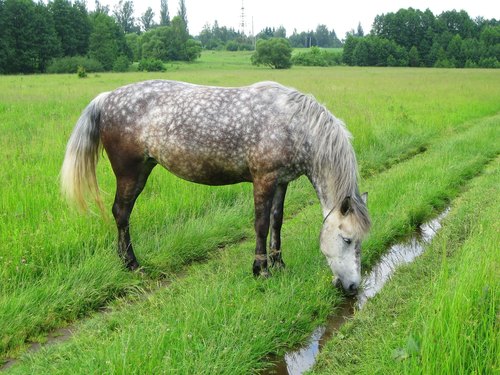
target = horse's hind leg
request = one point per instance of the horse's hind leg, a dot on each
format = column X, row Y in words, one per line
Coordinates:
column 263, row 192
column 276, row 223
column 130, row 181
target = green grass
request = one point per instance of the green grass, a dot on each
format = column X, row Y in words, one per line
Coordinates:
column 57, row 266
column 217, row 318
column 438, row 315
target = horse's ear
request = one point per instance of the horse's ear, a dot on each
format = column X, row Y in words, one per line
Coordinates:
column 345, row 207
column 364, row 197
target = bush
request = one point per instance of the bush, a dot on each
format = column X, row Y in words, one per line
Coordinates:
column 317, row 57
column 274, row 52
column 489, row 62
column 444, row 63
column 81, row 72
column 151, row 65
column 192, row 50
column 121, row 64
column 232, row 46
column 71, row 65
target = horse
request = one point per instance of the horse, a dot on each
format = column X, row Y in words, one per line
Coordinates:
column 265, row 133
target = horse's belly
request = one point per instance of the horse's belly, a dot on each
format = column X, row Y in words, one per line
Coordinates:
column 206, row 170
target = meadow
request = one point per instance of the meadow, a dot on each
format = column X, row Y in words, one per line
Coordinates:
column 421, row 136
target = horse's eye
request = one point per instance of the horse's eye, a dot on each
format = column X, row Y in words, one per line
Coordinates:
column 347, row 240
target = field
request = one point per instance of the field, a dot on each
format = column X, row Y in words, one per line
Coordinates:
column 424, row 138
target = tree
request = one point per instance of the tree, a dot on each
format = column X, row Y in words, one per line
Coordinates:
column 359, row 30
column 413, row 57
column 81, row 26
column 490, row 38
column 167, row 43
column 101, row 8
column 349, row 46
column 323, row 36
column 133, row 41
column 4, row 45
column 458, row 23
column 266, row 33
column 182, row 13
column 124, row 15
column 107, row 41
column 72, row 26
column 280, row 32
column 47, row 44
column 164, row 15
column 455, row 52
column 28, row 39
column 147, row 19
column 275, row 52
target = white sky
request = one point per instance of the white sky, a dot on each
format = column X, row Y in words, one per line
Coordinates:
column 341, row 16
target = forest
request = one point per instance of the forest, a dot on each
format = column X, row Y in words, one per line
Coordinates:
column 60, row 36
column 416, row 38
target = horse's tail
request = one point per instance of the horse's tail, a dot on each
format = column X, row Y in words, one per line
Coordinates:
column 78, row 172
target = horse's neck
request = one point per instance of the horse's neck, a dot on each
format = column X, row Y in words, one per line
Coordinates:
column 325, row 188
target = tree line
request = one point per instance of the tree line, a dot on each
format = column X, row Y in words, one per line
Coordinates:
column 62, row 35
column 58, row 36
column 417, row 38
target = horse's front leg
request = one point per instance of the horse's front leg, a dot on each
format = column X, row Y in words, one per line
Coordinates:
column 276, row 223
column 263, row 192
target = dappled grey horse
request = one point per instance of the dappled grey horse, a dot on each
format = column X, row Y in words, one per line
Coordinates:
column 266, row 134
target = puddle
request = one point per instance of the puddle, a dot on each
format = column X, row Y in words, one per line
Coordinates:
column 299, row 361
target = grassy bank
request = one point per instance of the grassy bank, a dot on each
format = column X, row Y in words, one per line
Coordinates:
column 57, row 266
column 218, row 319
column 438, row 315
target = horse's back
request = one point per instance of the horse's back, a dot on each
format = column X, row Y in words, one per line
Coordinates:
column 212, row 135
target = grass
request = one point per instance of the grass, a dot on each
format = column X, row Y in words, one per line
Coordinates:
column 57, row 267
column 439, row 314
column 217, row 318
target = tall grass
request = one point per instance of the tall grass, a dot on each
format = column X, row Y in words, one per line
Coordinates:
column 458, row 331
column 218, row 319
column 57, row 266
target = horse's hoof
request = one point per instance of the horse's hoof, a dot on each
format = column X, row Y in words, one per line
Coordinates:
column 264, row 274
column 278, row 264
column 133, row 266
column 261, row 272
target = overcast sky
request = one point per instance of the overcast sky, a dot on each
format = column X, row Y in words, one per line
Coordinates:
column 303, row 15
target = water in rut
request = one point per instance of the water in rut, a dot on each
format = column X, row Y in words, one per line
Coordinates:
column 298, row 361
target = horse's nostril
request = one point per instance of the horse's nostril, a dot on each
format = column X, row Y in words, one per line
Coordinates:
column 353, row 288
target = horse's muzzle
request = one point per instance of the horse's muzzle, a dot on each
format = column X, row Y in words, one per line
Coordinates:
column 350, row 290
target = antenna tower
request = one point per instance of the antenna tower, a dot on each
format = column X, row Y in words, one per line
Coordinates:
column 242, row 17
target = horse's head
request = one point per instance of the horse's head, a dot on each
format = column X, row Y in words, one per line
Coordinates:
column 340, row 241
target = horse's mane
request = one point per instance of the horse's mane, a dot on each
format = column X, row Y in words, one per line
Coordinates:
column 332, row 153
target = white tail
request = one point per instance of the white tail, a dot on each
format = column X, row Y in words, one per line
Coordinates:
column 78, row 172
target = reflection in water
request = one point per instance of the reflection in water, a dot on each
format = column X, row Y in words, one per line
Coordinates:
column 298, row 361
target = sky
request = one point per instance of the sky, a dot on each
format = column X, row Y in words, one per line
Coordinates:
column 342, row 16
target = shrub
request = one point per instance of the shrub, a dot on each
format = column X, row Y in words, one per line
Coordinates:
column 81, row 72
column 317, row 57
column 444, row 63
column 192, row 50
column 71, row 65
column 151, row 65
column 232, row 46
column 489, row 62
column 121, row 64
column 274, row 52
